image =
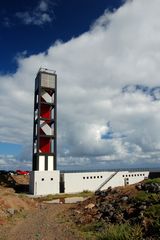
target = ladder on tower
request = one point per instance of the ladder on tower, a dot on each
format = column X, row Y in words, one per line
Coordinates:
column 106, row 181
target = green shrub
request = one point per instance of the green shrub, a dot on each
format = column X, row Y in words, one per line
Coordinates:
column 154, row 180
column 101, row 231
column 143, row 196
column 153, row 212
column 121, row 232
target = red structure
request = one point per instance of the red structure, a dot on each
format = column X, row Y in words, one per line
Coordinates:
column 44, row 124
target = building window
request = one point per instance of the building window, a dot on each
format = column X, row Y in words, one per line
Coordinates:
column 51, row 179
column 91, row 177
column 83, row 177
column 97, row 176
column 94, row 176
column 126, row 175
column 101, row 177
column 123, row 176
column 42, row 179
column 87, row 177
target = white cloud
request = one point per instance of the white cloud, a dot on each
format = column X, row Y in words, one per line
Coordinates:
column 7, row 160
column 40, row 15
column 20, row 160
column 43, row 6
column 121, row 49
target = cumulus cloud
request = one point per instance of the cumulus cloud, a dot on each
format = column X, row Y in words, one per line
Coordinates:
column 10, row 162
column 121, row 49
column 40, row 15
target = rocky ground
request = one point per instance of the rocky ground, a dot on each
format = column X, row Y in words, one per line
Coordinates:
column 133, row 210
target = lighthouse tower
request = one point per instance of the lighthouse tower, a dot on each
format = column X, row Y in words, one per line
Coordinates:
column 44, row 178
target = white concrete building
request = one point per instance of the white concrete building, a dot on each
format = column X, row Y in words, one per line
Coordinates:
column 54, row 182
column 44, row 182
column 92, row 181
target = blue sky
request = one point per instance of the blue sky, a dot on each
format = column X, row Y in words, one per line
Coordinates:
column 106, row 55
column 10, row 148
column 68, row 19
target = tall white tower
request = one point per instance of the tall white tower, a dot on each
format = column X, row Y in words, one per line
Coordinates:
column 44, row 179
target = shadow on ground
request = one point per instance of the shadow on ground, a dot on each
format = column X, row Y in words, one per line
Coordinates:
column 19, row 183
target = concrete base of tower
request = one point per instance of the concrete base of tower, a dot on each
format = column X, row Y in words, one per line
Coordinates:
column 44, row 182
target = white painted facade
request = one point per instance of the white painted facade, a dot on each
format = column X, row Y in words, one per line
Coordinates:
column 91, row 181
column 50, row 163
column 41, row 163
column 44, row 182
column 48, row 182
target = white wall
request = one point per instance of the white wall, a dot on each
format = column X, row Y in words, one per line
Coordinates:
column 78, row 182
column 126, row 177
column 50, row 163
column 47, row 182
column 44, row 182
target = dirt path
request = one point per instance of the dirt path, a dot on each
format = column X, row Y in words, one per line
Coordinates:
column 44, row 223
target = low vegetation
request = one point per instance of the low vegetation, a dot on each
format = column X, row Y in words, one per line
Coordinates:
column 103, row 231
column 132, row 212
column 154, row 180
